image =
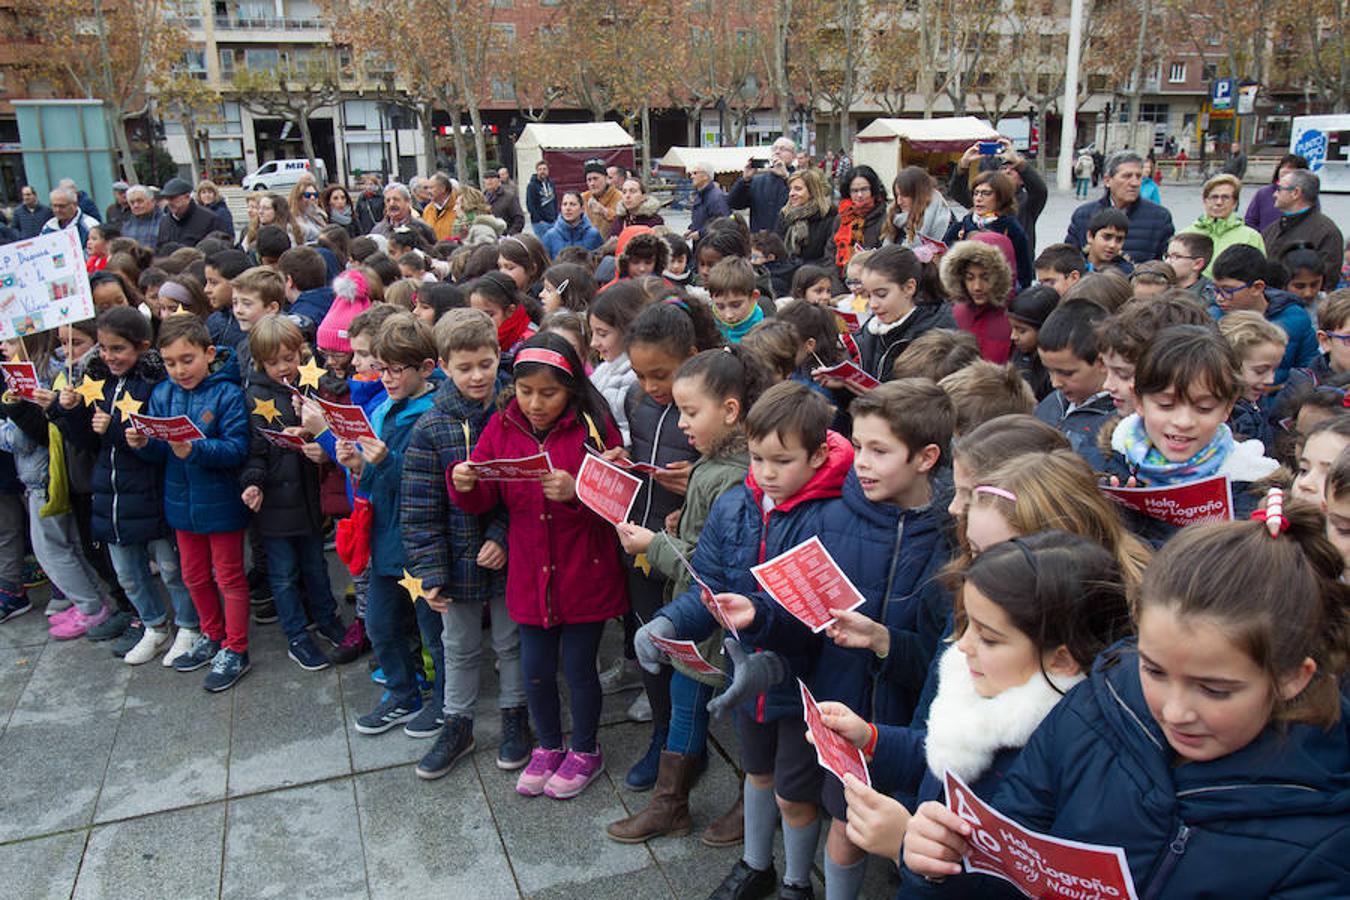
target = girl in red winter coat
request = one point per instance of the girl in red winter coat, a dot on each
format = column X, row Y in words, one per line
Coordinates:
column 565, row 577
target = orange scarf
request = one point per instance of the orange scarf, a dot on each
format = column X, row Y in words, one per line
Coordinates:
column 852, row 218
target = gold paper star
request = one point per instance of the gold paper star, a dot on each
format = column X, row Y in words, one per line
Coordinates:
column 310, row 373
column 128, row 405
column 641, row 564
column 180, row 311
column 267, row 409
column 91, row 389
column 412, row 585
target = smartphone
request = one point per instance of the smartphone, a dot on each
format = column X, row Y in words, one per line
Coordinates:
column 990, row 148
column 759, row 163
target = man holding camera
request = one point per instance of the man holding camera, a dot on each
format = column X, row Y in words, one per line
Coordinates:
column 762, row 187
column 1031, row 189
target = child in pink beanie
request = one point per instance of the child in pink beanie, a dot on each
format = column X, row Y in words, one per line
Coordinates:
column 352, row 298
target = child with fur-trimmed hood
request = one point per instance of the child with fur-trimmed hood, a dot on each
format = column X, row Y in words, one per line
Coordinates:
column 978, row 280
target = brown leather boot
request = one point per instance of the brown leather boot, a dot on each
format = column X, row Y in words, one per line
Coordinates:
column 668, row 813
column 729, row 829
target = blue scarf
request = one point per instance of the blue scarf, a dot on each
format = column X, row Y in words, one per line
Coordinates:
column 734, row 333
column 1152, row 469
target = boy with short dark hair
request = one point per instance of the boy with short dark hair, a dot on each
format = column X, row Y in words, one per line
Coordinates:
column 796, row 466
column 1067, row 344
column 735, row 297
column 307, row 291
column 222, row 268
column 405, row 356
column 1190, row 253
column 1106, row 233
column 1060, row 266
column 201, row 492
column 1240, row 275
column 768, row 252
column 271, row 243
column 461, row 558
column 875, row 657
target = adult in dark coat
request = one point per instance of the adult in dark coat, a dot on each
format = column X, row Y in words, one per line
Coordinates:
column 1301, row 224
column 1150, row 224
column 1030, row 190
column 764, row 191
column 185, row 221
column 504, row 201
column 119, row 210
column 708, row 201
column 804, row 222
column 541, row 199
column 30, row 215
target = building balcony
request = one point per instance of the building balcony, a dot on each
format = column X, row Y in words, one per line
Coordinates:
column 261, row 30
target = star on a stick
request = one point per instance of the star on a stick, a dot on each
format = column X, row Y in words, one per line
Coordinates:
column 128, row 405
column 267, row 409
column 412, row 585
column 310, row 373
column 91, row 389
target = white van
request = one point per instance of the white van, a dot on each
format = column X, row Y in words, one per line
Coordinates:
column 282, row 173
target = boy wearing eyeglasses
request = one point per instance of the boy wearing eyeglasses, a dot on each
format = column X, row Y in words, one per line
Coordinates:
column 1240, row 283
column 1189, row 254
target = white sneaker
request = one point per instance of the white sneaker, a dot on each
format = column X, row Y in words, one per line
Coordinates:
column 622, row 675
column 640, row 710
column 148, row 646
column 182, row 643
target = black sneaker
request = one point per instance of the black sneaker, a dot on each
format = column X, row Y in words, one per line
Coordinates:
column 427, row 723
column 388, row 713
column 265, row 612
column 517, row 742
column 112, row 627
column 307, row 654
column 203, row 651
column 130, row 637
column 745, row 883
column 226, row 669
column 453, row 744
column 332, row 631
column 12, row 605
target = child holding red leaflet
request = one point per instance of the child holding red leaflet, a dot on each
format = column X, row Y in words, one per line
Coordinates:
column 574, row 580
column 1218, row 735
column 796, row 464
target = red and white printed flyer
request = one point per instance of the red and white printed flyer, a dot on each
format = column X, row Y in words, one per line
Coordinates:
column 282, row 439
column 20, row 378
column 848, row 371
column 607, row 490
column 849, row 319
column 1206, row 500
column 173, row 428
column 525, row 468
column 832, row 751
column 708, row 598
column 807, row 582
column 627, row 465
column 348, row 423
column 687, row 653
column 1040, row 866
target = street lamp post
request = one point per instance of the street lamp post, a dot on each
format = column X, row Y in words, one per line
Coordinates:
column 1069, row 119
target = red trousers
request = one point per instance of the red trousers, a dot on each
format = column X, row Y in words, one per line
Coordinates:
column 212, row 561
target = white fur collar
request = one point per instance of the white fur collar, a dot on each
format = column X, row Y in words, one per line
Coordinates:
column 966, row 730
column 878, row 327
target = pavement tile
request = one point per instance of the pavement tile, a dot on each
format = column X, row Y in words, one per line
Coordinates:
column 42, row 869
column 73, row 680
column 295, row 844
column 16, row 667
column 418, row 833
column 56, row 784
column 645, row 884
column 170, row 855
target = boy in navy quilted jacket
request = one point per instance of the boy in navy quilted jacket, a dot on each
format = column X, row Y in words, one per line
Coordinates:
column 1067, row 344
column 796, row 466
column 201, row 492
column 889, row 534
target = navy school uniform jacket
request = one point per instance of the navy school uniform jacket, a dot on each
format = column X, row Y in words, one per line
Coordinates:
column 128, row 490
column 893, row 556
column 1081, row 424
column 1270, row 820
column 738, row 535
column 201, row 493
column 880, row 351
column 288, row 480
column 655, row 437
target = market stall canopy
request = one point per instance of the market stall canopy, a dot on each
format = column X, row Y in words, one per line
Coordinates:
column 566, row 147
column 678, row 160
column 887, row 145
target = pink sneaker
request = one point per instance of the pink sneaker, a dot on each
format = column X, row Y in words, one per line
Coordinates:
column 76, row 623
column 543, row 763
column 62, row 616
column 576, row 772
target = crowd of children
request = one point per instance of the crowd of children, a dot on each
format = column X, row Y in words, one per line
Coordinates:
column 1092, row 671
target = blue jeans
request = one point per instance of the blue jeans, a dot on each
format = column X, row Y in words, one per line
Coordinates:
column 430, row 626
column 132, row 564
column 539, row 650
column 389, row 618
column 688, row 715
column 290, row 559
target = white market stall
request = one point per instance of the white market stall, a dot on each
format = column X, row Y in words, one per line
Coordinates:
column 725, row 161
column 567, row 146
column 888, row 145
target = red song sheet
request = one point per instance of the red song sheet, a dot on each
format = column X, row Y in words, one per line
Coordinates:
column 348, row 423
column 687, row 653
column 20, row 378
column 282, row 439
column 607, row 490
column 1040, row 866
column 525, row 468
column 847, row 371
column 1206, row 500
column 173, row 428
column 807, row 582
column 832, row 751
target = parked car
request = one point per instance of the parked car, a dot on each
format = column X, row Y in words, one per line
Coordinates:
column 283, row 173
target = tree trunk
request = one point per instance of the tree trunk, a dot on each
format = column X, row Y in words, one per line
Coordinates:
column 425, row 111
column 646, row 140
column 693, row 125
column 1137, row 87
column 457, row 138
column 782, row 15
column 126, row 159
column 307, row 141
